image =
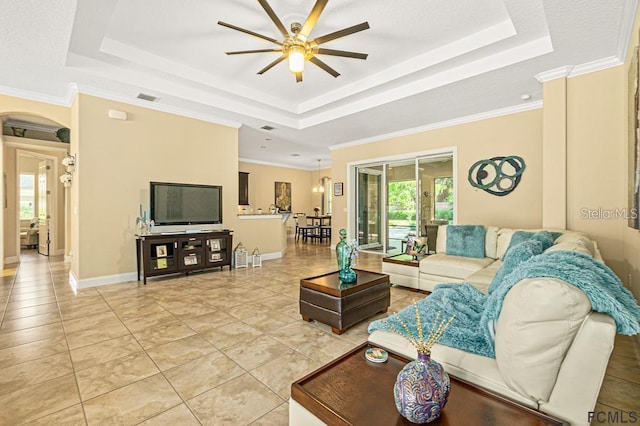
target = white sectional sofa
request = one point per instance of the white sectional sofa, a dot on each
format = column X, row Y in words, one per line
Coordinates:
column 551, row 349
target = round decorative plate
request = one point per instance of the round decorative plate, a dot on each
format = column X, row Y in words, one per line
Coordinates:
column 376, row 355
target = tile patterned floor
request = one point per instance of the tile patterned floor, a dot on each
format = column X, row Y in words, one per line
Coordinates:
column 208, row 348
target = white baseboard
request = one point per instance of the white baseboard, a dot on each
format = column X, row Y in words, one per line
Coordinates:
column 133, row 276
column 268, row 256
column 104, row 280
column 12, row 259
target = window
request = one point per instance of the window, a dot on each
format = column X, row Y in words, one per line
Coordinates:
column 27, row 196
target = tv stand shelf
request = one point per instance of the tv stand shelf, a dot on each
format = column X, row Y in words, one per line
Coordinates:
column 162, row 254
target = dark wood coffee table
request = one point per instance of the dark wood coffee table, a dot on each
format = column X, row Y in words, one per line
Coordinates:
column 353, row 391
column 326, row 299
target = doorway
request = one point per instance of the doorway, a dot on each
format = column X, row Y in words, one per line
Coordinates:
column 401, row 198
column 44, row 210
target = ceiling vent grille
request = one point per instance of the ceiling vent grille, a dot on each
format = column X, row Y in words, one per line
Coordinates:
column 146, row 97
column 267, row 127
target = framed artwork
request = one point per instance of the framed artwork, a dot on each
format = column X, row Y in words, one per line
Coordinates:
column 337, row 189
column 634, row 142
column 283, row 196
column 161, row 251
column 215, row 244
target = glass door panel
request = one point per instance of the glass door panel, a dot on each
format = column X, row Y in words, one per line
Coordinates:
column 369, row 207
column 436, row 195
column 401, row 204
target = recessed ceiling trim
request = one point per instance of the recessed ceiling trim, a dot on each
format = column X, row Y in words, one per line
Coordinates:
column 448, row 123
column 472, row 42
column 502, row 59
column 159, row 64
column 149, row 82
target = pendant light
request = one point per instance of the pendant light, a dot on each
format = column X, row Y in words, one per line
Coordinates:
column 319, row 187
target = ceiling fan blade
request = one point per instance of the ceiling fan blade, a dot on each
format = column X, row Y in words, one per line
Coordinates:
column 272, row 64
column 324, row 66
column 341, row 33
column 274, row 17
column 343, row 53
column 242, row 52
column 312, row 19
column 298, row 77
column 242, row 30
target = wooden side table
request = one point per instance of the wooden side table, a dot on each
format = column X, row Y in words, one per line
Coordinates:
column 353, row 391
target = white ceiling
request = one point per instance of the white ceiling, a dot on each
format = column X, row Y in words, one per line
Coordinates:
column 430, row 62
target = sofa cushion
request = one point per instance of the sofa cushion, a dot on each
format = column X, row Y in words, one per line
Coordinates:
column 490, row 247
column 466, row 240
column 458, row 267
column 570, row 246
column 482, row 278
column 578, row 239
column 538, row 322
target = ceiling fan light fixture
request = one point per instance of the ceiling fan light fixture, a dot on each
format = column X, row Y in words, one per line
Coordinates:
column 296, row 58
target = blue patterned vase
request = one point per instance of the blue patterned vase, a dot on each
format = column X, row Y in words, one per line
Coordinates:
column 421, row 389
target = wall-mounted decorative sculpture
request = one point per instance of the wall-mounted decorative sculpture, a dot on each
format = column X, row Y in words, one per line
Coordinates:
column 498, row 175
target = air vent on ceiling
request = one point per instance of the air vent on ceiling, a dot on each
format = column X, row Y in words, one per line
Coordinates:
column 146, row 97
column 267, row 127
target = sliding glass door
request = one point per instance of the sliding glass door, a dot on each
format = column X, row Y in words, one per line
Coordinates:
column 369, row 207
column 396, row 200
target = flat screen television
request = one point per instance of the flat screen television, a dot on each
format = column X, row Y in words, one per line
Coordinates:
column 185, row 204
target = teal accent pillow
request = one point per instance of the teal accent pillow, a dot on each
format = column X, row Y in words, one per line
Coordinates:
column 514, row 257
column 466, row 240
column 545, row 237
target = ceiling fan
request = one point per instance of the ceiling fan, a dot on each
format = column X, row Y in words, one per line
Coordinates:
column 296, row 46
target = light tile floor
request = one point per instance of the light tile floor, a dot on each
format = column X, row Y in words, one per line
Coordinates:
column 220, row 347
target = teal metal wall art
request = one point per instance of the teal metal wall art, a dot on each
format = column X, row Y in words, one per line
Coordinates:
column 498, row 175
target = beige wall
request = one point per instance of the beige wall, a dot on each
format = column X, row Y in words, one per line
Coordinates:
column 515, row 134
column 117, row 160
column 596, row 159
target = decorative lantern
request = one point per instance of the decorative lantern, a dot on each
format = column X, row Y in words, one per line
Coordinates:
column 240, row 256
column 257, row 258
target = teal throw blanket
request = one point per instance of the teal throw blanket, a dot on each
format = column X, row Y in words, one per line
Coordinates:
column 475, row 310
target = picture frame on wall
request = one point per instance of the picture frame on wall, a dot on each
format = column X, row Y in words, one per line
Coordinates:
column 338, row 189
column 283, row 196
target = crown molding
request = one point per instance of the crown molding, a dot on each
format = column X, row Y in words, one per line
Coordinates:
column 33, row 96
column 630, row 9
column 449, row 123
column 561, row 72
column 599, row 65
column 269, row 163
column 93, row 91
